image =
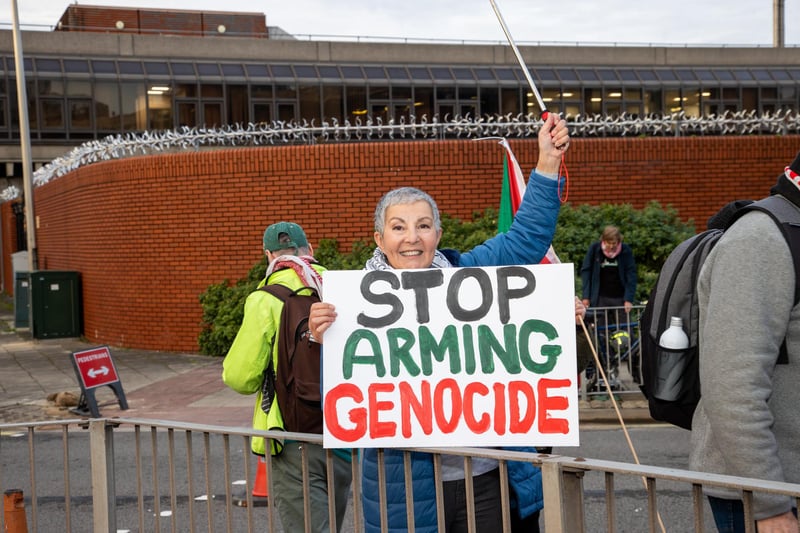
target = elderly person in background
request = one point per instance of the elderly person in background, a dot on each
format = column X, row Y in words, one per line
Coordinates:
column 407, row 234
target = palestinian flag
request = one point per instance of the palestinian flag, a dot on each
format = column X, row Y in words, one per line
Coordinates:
column 511, row 196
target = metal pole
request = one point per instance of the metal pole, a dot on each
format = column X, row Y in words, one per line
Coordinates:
column 521, row 61
column 25, row 142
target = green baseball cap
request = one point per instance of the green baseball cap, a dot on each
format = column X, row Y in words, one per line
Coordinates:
column 284, row 235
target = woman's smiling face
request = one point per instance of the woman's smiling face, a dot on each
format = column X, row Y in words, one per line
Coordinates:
column 409, row 237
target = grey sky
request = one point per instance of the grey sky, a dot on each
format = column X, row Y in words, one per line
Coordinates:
column 730, row 22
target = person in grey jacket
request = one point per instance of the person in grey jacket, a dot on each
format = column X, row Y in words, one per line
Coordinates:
column 746, row 423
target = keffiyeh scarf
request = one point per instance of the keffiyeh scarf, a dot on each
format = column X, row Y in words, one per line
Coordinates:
column 378, row 261
column 302, row 267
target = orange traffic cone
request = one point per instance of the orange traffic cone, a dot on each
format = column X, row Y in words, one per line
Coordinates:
column 14, row 511
column 260, row 486
column 259, row 493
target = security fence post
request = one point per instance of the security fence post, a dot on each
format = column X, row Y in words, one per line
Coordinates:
column 101, row 448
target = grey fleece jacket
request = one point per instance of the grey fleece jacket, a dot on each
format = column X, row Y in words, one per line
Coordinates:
column 747, row 422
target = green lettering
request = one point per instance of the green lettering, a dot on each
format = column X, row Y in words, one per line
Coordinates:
column 506, row 352
column 469, row 350
column 401, row 341
column 549, row 351
column 374, row 358
column 431, row 349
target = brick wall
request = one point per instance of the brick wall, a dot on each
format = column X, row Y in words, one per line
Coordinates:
column 149, row 234
column 181, row 22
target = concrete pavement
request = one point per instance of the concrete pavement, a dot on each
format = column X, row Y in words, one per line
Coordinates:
column 184, row 387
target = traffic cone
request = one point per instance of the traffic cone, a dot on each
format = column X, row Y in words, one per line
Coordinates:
column 260, row 486
column 259, row 493
column 14, row 511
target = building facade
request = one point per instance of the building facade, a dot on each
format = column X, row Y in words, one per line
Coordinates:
column 106, row 70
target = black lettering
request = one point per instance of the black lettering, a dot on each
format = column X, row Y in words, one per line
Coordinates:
column 386, row 298
column 454, row 288
column 420, row 281
column 505, row 295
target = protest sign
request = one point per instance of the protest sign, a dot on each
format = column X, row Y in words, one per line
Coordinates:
column 451, row 357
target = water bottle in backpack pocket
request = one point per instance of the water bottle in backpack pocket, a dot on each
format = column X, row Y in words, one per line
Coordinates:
column 673, row 355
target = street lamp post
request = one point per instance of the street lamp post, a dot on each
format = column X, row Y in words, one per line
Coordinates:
column 25, row 141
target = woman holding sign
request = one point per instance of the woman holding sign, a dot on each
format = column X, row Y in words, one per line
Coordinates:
column 407, row 234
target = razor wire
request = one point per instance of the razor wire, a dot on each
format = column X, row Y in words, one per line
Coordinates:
column 376, row 129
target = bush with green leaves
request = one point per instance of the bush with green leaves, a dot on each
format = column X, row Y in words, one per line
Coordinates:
column 652, row 232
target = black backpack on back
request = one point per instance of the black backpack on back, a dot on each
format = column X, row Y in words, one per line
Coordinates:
column 297, row 379
column 670, row 378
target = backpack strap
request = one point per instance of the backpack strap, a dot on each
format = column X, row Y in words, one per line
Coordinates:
column 282, row 292
column 787, row 216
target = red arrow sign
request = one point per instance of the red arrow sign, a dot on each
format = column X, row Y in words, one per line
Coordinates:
column 95, row 367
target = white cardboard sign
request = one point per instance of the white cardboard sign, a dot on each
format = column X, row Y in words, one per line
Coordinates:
column 451, row 357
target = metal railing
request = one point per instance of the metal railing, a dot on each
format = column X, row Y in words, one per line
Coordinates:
column 151, row 475
column 616, row 338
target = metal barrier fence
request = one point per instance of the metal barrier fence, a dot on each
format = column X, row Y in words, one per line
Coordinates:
column 110, row 475
column 616, row 337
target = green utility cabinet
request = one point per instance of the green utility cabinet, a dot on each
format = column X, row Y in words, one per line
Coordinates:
column 22, row 295
column 56, row 304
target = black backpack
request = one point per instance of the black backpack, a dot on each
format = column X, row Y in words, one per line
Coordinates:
column 296, row 383
column 675, row 295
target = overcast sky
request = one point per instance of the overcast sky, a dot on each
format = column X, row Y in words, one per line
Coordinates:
column 729, row 22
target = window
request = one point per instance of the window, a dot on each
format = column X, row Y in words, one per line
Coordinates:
column 463, row 74
column 356, row 102
column 257, row 71
column 332, row 102
column 306, row 71
column 80, row 114
column 330, row 72
column 230, row 70
column 107, row 108
column 375, row 73
column 397, row 73
column 159, row 111
column 104, row 67
column 52, row 113
column 310, row 99
column 420, row 73
column 208, row 69
column 133, row 103
column 76, row 65
column 282, row 71
column 183, row 69
column 156, row 68
column 47, row 65
column 354, row 73
column 130, row 67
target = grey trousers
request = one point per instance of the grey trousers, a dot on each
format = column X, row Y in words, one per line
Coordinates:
column 287, row 482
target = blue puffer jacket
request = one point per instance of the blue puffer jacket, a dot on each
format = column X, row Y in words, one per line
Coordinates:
column 525, row 243
column 524, row 478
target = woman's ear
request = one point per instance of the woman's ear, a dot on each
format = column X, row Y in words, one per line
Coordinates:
column 378, row 240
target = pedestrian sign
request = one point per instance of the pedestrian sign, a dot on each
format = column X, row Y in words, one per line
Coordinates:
column 95, row 368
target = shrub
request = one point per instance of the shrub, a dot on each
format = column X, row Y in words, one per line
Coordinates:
column 652, row 232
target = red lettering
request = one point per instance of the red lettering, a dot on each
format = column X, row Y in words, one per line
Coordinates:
column 477, row 426
column 422, row 408
column 515, row 390
column 358, row 416
column 447, row 426
column 549, row 403
column 499, row 408
column 378, row 429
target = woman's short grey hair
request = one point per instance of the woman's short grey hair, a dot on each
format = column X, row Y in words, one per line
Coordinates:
column 404, row 195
